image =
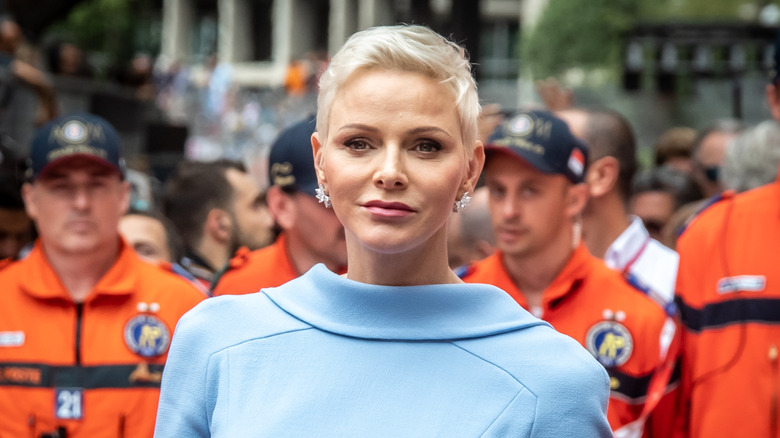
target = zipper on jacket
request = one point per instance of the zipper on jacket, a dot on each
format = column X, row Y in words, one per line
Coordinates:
column 79, row 314
column 31, row 425
column 773, row 356
column 121, row 426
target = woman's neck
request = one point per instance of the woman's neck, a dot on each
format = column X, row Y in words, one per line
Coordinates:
column 424, row 264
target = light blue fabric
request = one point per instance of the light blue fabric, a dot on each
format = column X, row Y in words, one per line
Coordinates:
column 323, row 356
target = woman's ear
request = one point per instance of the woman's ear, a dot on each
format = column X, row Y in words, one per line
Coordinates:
column 317, row 150
column 602, row 176
column 475, row 164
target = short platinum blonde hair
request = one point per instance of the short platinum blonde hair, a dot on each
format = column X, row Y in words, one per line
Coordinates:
column 752, row 157
column 405, row 48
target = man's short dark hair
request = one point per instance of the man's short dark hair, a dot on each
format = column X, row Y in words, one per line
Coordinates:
column 668, row 180
column 608, row 134
column 676, row 142
column 195, row 189
column 728, row 126
column 172, row 237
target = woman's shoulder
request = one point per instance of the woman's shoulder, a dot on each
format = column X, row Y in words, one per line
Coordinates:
column 231, row 319
column 570, row 389
column 539, row 355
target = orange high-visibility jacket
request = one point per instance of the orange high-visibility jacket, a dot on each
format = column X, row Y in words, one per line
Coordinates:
column 728, row 289
column 624, row 329
column 92, row 368
column 250, row 271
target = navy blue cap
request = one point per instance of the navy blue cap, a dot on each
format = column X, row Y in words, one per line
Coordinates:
column 544, row 141
column 291, row 161
column 77, row 135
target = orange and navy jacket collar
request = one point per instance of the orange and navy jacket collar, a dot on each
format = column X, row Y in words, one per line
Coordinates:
column 570, row 278
column 492, row 270
column 43, row 282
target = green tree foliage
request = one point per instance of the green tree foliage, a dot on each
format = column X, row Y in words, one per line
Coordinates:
column 589, row 34
column 107, row 27
column 575, row 33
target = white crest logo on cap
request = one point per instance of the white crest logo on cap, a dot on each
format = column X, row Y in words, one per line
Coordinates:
column 521, row 125
column 74, row 132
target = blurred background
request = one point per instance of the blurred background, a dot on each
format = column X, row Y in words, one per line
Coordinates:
column 206, row 79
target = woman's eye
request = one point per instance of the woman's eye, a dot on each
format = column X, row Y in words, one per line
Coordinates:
column 428, row 147
column 356, row 144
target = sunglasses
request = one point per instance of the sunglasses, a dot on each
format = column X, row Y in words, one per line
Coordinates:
column 712, row 173
column 654, row 227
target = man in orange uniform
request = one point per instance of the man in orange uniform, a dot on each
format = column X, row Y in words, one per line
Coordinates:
column 84, row 323
column 310, row 233
column 728, row 290
column 534, row 173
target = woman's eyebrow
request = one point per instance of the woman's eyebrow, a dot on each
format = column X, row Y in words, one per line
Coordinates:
column 418, row 130
column 358, row 126
column 426, row 129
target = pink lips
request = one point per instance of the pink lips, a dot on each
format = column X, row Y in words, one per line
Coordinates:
column 388, row 209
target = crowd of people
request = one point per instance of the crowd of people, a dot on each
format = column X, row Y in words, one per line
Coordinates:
column 415, row 264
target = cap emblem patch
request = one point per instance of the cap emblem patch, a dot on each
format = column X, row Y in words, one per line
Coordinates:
column 521, row 125
column 74, row 132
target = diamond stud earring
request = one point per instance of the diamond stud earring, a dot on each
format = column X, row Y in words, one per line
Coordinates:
column 463, row 203
column 322, row 196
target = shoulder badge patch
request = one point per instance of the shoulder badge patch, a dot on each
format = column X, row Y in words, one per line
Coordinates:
column 610, row 343
column 147, row 335
column 747, row 283
column 11, row 339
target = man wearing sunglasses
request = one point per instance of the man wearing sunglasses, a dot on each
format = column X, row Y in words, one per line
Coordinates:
column 709, row 150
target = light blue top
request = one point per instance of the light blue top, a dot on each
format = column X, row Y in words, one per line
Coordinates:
column 324, row 356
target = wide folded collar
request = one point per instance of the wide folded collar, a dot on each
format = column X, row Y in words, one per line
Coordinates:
column 413, row 313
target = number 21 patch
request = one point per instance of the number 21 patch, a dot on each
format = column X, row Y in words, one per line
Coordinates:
column 69, row 403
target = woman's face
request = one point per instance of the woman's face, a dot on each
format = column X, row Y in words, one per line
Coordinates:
column 394, row 161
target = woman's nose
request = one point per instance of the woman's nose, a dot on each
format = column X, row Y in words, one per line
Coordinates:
column 391, row 173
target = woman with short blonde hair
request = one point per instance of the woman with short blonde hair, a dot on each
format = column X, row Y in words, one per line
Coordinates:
column 399, row 346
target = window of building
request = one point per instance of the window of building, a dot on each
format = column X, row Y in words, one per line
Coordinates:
column 499, row 50
column 261, row 29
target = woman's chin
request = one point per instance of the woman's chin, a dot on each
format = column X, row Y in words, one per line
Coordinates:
column 388, row 244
